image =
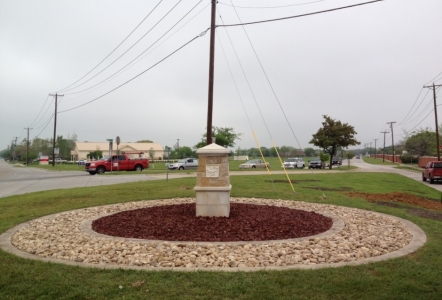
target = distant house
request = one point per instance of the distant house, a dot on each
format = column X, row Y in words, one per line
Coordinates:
column 82, row 149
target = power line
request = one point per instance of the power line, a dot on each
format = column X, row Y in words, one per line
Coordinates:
column 269, row 83
column 266, row 7
column 420, row 92
column 432, row 80
column 40, row 111
column 114, row 74
column 115, row 47
column 47, row 123
column 203, row 33
column 298, row 16
column 138, row 58
column 124, row 51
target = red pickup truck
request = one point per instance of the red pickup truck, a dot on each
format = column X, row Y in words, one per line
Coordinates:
column 120, row 162
column 432, row 171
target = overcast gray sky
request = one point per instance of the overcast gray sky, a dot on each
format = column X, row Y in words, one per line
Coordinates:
column 365, row 66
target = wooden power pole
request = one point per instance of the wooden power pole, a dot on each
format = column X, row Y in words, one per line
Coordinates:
column 55, row 127
column 392, row 137
column 211, row 74
column 383, row 150
column 433, row 87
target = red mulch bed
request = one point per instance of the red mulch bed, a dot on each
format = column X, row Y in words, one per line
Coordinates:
column 247, row 222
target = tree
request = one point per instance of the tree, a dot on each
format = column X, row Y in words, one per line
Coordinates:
column 182, row 152
column 332, row 135
column 97, row 154
column 310, row 152
column 225, row 137
column 151, row 153
column 144, row 141
column 422, row 142
column 349, row 155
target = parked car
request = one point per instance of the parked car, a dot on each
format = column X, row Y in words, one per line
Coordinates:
column 59, row 160
column 253, row 164
column 432, row 171
column 292, row 163
column 336, row 161
column 316, row 163
column 184, row 164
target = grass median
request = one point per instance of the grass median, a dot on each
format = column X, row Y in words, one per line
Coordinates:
column 416, row 276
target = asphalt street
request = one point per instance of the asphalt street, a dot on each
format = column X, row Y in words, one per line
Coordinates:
column 16, row 180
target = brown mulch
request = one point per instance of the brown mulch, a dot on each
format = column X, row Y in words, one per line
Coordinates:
column 247, row 222
column 399, row 197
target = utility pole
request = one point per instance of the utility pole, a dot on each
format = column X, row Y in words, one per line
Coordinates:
column 55, row 128
column 211, row 74
column 392, row 137
column 383, row 151
column 375, row 151
column 433, row 87
column 370, row 148
column 15, row 147
column 27, row 146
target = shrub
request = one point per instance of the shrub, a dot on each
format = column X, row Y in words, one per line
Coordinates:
column 409, row 159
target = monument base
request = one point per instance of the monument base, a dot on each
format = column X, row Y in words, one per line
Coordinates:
column 213, row 201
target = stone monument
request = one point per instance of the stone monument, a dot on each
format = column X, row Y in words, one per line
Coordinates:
column 213, row 182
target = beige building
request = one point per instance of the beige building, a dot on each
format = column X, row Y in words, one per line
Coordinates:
column 82, row 149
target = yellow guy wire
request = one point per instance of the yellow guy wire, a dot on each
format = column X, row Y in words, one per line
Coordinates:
column 259, row 148
column 285, row 170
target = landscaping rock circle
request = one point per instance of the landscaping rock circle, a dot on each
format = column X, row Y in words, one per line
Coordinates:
column 357, row 236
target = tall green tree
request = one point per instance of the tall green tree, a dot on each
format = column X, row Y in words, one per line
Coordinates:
column 422, row 142
column 225, row 137
column 334, row 134
column 182, row 152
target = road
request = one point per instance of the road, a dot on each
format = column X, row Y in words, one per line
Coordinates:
column 16, row 180
column 22, row 180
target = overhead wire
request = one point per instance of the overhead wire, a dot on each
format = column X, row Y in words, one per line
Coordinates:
column 139, row 58
column 420, row 92
column 418, row 115
column 253, row 96
column 302, row 15
column 128, row 64
column 44, row 104
column 267, row 7
column 124, row 51
column 435, row 78
column 115, row 47
column 274, row 94
column 154, row 65
column 44, row 126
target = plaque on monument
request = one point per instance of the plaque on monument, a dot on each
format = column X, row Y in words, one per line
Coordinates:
column 212, row 171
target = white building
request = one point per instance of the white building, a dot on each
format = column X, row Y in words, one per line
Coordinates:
column 82, row 149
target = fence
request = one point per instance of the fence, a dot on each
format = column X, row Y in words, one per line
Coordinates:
column 388, row 157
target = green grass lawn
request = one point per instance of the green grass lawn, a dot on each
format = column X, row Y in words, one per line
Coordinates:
column 416, row 276
column 377, row 161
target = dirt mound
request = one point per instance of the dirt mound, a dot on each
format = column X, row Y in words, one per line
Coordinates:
column 398, row 197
